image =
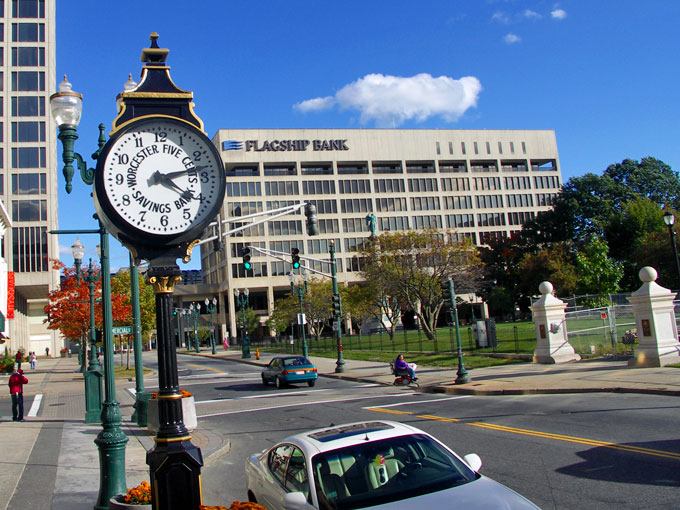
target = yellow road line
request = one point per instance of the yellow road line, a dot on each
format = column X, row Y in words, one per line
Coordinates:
column 545, row 435
column 202, row 367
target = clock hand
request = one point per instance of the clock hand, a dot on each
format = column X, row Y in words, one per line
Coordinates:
column 164, row 180
column 172, row 175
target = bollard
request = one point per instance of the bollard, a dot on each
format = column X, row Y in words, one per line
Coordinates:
column 257, row 353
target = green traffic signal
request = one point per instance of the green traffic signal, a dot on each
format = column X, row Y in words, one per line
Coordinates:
column 295, row 258
column 245, row 253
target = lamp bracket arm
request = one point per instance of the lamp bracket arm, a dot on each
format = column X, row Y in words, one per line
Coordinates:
column 86, row 174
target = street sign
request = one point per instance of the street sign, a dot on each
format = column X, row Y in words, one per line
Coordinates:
column 121, row 330
column 302, row 320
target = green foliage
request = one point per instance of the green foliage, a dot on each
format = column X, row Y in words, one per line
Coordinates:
column 6, row 364
column 597, row 273
column 120, row 284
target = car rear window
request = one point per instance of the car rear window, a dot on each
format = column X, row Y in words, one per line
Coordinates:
column 327, row 435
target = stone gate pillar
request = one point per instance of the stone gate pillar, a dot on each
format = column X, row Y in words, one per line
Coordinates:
column 655, row 321
column 552, row 345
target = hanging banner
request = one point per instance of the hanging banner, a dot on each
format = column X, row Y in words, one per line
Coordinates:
column 10, row 294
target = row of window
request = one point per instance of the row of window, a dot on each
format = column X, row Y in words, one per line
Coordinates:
column 409, row 167
column 25, row 56
column 463, row 147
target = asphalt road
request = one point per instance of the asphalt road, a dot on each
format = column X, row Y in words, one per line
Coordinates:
column 594, row 451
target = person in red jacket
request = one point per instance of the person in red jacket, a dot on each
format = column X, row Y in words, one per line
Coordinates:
column 16, row 389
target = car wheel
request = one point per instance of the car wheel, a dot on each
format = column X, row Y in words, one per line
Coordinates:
column 279, row 382
column 264, row 381
column 311, row 383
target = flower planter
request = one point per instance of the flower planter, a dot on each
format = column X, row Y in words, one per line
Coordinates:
column 116, row 504
column 188, row 411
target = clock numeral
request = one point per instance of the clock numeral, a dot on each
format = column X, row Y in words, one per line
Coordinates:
column 197, row 155
column 181, row 140
column 119, row 179
column 139, row 142
column 186, row 214
column 204, row 177
column 164, row 220
column 161, row 137
column 142, row 215
column 126, row 200
column 123, row 159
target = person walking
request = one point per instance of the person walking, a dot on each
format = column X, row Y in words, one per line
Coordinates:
column 18, row 358
column 31, row 359
column 47, row 352
column 16, row 390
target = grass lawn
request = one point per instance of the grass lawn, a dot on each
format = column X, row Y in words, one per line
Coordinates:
column 123, row 372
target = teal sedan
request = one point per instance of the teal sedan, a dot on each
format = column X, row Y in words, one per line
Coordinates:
column 283, row 370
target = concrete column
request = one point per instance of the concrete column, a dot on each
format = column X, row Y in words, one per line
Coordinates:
column 552, row 344
column 655, row 320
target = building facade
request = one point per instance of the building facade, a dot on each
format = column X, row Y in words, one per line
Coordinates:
column 28, row 163
column 479, row 184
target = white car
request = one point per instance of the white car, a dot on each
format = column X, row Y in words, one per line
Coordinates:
column 376, row 464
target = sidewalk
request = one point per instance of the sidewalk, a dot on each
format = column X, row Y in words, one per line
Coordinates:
column 51, row 461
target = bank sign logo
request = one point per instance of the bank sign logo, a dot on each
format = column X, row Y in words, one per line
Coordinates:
column 285, row 145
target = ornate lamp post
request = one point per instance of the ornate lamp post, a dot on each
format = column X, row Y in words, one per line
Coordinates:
column 66, row 107
column 211, row 307
column 449, row 293
column 93, row 376
column 195, row 311
column 669, row 220
column 242, row 301
column 300, row 290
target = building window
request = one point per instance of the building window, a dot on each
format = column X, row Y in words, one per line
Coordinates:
column 28, row 57
column 486, row 183
column 318, row 187
column 352, row 168
column 450, row 147
column 512, row 147
column 29, row 249
column 324, row 206
column 390, row 204
column 242, row 170
column 422, row 185
column 476, row 147
column 514, row 166
column 455, row 184
column 460, row 220
column 524, row 148
column 488, row 147
column 464, row 202
column 244, row 189
column 285, row 228
column 500, row 147
column 28, row 80
column 523, row 200
column 388, row 186
column 354, row 186
column 29, row 210
column 356, row 205
column 29, row 184
column 356, row 243
column 425, row 204
column 490, row 219
column 28, row 8
column 317, row 169
column 489, row 201
column 354, row 225
column 235, row 209
column 420, row 222
column 387, row 168
column 28, row 32
column 28, row 106
column 426, row 167
column 393, row 223
column 28, row 157
column 519, row 218
column 278, row 204
column 328, row 226
column 437, row 148
column 316, row 246
column 462, row 147
column 28, row 131
column 286, row 188
column 259, row 270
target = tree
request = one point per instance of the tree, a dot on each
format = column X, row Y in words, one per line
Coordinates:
column 597, row 273
column 68, row 308
column 120, row 285
column 554, row 264
column 358, row 301
column 410, row 266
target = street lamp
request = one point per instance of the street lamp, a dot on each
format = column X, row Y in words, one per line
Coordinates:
column 66, row 107
column 669, row 220
column 195, row 311
column 211, row 307
column 337, row 310
column 93, row 376
column 78, row 251
column 462, row 375
column 242, row 300
column 300, row 290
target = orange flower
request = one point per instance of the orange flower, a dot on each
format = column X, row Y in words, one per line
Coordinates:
column 140, row 495
column 184, row 394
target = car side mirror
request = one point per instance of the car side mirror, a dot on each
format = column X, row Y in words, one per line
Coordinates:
column 295, row 501
column 473, row 461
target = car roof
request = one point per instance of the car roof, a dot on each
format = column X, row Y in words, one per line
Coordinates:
column 349, row 434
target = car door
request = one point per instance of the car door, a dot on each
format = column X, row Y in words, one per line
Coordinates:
column 288, row 469
column 273, row 369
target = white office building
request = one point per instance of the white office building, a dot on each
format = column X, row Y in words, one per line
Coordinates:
column 28, row 171
column 482, row 184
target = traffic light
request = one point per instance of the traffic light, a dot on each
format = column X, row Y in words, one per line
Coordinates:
column 295, row 258
column 312, row 224
column 337, row 306
column 447, row 291
column 245, row 253
column 174, row 311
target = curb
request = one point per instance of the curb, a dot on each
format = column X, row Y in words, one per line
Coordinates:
column 548, row 391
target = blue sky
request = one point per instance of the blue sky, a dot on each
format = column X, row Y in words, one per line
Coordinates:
column 604, row 74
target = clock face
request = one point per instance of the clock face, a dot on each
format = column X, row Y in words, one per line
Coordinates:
column 159, row 177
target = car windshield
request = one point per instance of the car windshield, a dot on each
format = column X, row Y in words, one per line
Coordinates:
column 378, row 472
column 295, row 362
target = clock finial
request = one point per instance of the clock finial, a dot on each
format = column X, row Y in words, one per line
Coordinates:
column 154, row 55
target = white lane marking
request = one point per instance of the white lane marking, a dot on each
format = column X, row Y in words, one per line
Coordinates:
column 184, row 385
column 35, row 406
column 278, row 394
column 423, row 401
column 298, row 404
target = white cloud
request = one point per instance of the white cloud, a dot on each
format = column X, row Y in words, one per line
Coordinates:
column 315, row 105
column 528, row 13
column 511, row 38
column 391, row 100
column 558, row 14
column 501, row 17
